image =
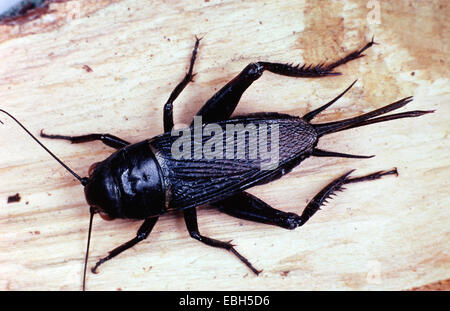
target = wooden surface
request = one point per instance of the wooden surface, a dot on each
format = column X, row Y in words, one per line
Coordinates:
column 389, row 234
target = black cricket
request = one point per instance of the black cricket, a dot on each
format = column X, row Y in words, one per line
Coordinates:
column 142, row 181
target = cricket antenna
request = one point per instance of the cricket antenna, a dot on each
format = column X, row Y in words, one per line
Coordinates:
column 92, row 211
column 83, row 180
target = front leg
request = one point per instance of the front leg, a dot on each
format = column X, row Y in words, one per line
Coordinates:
column 190, row 217
column 107, row 139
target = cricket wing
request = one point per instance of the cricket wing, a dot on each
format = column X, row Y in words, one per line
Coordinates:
column 281, row 143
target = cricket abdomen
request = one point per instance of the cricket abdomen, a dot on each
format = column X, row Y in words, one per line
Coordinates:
column 194, row 178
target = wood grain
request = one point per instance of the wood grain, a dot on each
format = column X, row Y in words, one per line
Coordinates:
column 390, row 234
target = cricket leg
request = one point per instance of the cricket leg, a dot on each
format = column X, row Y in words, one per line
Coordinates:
column 225, row 101
column 168, row 107
column 336, row 185
column 249, row 207
column 246, row 206
column 190, row 217
column 107, row 139
column 142, row 234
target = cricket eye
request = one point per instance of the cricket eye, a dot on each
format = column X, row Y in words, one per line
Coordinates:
column 98, row 210
column 105, row 216
column 92, row 168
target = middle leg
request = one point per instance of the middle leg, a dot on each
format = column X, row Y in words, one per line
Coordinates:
column 190, row 217
column 168, row 107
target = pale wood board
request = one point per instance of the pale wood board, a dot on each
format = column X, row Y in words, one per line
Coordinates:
column 389, row 234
